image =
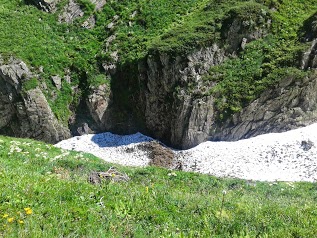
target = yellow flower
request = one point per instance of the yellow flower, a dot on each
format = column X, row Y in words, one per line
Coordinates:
column 28, row 211
column 147, row 189
column 5, row 215
column 10, row 220
column 21, row 222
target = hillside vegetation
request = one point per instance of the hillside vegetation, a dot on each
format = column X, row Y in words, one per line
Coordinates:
column 45, row 193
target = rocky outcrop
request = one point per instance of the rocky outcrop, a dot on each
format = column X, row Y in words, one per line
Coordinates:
column 98, row 105
column 291, row 104
column 245, row 24
column 25, row 112
column 71, row 11
column 309, row 57
column 45, row 5
column 99, row 4
column 174, row 112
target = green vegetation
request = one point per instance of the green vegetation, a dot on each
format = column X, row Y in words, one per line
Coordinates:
column 45, row 193
column 30, row 84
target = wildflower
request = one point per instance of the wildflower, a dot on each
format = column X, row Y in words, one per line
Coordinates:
column 28, row 211
column 20, row 222
column 5, row 215
column 147, row 189
column 10, row 220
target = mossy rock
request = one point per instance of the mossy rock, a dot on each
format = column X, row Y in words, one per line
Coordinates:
column 250, row 21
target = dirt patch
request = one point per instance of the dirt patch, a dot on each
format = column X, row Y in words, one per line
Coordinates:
column 160, row 155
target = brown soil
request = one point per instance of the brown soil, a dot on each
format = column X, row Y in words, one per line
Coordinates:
column 160, row 155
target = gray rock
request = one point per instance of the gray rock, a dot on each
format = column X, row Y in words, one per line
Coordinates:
column 98, row 102
column 84, row 129
column 57, row 81
column 45, row 5
column 309, row 57
column 89, row 23
column 99, row 4
column 71, row 11
column 26, row 113
column 289, row 106
column 307, row 145
column 181, row 118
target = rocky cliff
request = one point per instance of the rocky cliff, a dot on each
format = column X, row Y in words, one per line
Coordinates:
column 176, row 107
column 25, row 111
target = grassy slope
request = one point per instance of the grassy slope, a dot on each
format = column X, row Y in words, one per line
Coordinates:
column 52, row 183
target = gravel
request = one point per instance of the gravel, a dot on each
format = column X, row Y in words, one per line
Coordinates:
column 287, row 156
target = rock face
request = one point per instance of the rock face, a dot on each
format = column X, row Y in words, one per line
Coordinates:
column 45, row 5
column 172, row 111
column 244, row 25
column 99, row 3
column 292, row 104
column 183, row 117
column 71, row 11
column 25, row 113
column 309, row 57
column 98, row 103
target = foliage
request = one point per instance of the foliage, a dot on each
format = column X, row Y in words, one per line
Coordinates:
column 62, row 102
column 45, row 193
column 99, row 79
column 30, row 84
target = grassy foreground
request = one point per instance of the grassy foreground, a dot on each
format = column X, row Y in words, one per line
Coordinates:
column 45, row 193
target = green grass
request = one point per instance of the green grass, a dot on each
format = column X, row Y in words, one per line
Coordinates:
column 53, row 184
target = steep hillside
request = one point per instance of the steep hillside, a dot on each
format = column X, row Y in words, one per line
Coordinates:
column 181, row 71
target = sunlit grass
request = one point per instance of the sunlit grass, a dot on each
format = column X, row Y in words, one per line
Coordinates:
column 45, row 193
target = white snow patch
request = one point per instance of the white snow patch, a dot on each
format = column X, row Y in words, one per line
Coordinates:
column 269, row 157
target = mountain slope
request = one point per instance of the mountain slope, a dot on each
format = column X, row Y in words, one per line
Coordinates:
column 181, row 71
